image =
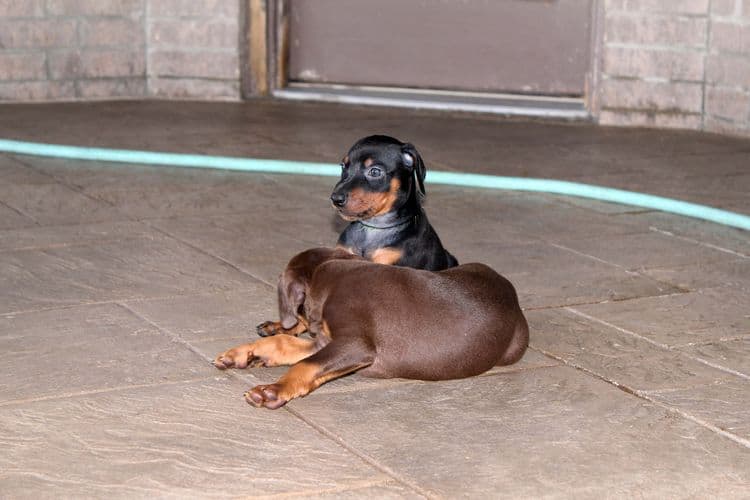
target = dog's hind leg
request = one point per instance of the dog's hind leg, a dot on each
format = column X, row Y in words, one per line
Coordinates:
column 334, row 360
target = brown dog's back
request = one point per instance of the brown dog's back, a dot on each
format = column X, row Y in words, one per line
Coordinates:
column 422, row 325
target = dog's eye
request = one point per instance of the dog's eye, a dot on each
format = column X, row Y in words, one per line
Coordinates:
column 374, row 172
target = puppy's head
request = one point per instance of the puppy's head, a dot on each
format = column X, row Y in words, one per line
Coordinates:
column 379, row 174
column 294, row 282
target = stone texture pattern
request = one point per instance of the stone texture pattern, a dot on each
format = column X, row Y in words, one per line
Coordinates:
column 676, row 64
column 118, row 284
column 70, row 49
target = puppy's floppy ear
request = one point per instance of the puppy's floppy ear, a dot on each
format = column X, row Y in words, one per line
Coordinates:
column 413, row 160
column 291, row 296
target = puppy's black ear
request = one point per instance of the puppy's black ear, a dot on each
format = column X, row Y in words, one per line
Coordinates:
column 413, row 160
column 291, row 296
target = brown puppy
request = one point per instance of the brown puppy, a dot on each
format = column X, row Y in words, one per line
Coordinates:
column 387, row 321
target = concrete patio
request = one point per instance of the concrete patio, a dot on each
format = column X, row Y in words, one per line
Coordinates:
column 119, row 283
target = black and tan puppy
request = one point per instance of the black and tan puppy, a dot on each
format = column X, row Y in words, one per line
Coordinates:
column 380, row 191
column 386, row 321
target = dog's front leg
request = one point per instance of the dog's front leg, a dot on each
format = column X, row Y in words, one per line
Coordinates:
column 270, row 351
column 335, row 360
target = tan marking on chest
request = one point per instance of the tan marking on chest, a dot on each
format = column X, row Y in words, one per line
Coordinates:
column 386, row 255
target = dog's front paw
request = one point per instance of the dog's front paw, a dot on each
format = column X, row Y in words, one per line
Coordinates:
column 268, row 328
column 238, row 357
column 265, row 395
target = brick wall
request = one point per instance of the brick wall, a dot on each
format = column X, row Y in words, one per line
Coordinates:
column 87, row 49
column 193, row 48
column 727, row 99
column 677, row 64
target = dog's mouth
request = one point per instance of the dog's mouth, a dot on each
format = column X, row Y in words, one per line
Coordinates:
column 354, row 215
column 359, row 204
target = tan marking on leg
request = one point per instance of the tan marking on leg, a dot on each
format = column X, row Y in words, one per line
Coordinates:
column 387, row 255
column 325, row 329
column 268, row 351
column 275, row 328
column 299, row 381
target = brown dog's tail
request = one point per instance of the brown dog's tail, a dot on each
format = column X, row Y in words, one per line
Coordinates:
column 518, row 343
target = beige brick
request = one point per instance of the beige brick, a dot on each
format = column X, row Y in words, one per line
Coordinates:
column 36, row 91
column 728, row 70
column 669, row 64
column 194, row 8
column 694, row 7
column 75, row 64
column 729, row 104
column 724, row 7
column 120, row 87
column 37, row 33
column 643, row 119
column 217, row 65
column 190, row 88
column 112, row 32
column 65, row 64
column 655, row 30
column 108, row 63
column 194, row 33
column 726, row 36
column 726, row 128
column 21, row 8
column 652, row 96
column 25, row 66
column 95, row 7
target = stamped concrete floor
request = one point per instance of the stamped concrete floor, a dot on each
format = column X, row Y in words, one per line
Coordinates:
column 118, row 284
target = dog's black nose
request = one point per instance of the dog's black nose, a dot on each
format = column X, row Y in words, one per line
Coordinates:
column 338, row 199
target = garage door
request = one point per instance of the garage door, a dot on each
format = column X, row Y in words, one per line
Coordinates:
column 539, row 47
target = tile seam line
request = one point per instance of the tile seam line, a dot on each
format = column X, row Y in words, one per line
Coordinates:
column 207, row 253
column 19, row 212
column 414, row 487
column 143, row 222
column 174, row 337
column 645, row 396
column 599, row 302
column 664, row 347
column 349, row 487
column 92, row 392
column 244, row 376
column 118, row 300
column 698, row 242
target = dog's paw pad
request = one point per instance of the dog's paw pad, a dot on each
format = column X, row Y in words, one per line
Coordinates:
column 238, row 357
column 266, row 329
column 265, row 395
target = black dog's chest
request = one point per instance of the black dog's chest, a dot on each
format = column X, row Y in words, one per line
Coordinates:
column 363, row 239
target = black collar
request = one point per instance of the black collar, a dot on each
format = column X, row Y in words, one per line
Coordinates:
column 390, row 224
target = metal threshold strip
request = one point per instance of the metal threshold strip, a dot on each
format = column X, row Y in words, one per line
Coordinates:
column 503, row 104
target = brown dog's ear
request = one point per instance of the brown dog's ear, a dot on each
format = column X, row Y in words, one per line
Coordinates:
column 413, row 160
column 291, row 297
